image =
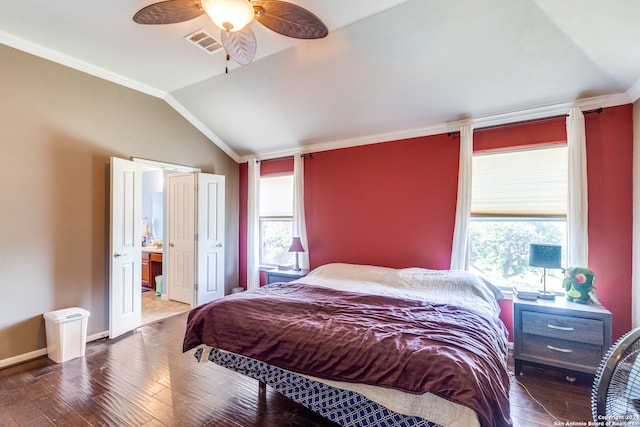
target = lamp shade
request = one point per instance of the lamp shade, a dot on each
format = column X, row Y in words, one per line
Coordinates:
column 296, row 245
column 546, row 256
column 229, row 15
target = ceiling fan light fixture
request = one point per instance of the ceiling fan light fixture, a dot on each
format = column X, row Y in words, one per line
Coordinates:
column 229, row 15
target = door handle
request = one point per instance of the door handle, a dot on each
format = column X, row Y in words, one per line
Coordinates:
column 171, row 245
column 118, row 254
column 219, row 245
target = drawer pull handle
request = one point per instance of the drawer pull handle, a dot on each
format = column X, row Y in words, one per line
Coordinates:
column 561, row 350
column 560, row 328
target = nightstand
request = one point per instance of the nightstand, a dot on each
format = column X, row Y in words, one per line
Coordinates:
column 560, row 334
column 276, row 275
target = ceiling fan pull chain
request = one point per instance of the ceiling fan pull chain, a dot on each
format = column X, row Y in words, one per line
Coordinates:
column 226, row 66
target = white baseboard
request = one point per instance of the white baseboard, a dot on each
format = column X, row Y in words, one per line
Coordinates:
column 97, row 336
column 22, row 358
column 43, row 352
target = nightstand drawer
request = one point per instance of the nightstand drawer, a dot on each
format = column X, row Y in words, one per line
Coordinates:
column 276, row 276
column 561, row 352
column 570, row 328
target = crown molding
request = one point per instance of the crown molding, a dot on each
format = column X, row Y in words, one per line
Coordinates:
column 552, row 110
column 634, row 91
column 184, row 112
column 352, row 142
column 454, row 126
column 85, row 67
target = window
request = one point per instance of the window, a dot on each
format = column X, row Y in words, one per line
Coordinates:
column 276, row 219
column 518, row 198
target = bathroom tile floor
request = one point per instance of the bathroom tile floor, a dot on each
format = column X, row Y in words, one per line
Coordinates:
column 155, row 308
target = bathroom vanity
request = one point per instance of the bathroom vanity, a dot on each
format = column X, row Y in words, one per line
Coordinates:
column 151, row 266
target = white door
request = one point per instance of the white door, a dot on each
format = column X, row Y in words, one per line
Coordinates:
column 181, row 232
column 125, row 279
column 210, row 243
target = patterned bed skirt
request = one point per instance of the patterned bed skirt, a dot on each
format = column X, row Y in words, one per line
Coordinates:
column 344, row 407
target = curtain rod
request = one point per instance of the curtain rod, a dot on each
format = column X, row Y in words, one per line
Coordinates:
column 309, row 155
column 524, row 122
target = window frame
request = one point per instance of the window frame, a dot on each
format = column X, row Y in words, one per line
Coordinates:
column 261, row 220
column 272, row 218
column 504, row 287
column 507, row 288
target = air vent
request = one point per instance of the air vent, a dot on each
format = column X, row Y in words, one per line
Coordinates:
column 204, row 41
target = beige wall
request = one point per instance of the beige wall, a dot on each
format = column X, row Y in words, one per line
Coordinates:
column 58, row 129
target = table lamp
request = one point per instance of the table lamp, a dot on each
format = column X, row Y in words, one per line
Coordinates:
column 545, row 256
column 296, row 246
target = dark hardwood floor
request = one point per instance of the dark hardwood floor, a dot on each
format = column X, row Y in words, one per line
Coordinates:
column 566, row 402
column 143, row 379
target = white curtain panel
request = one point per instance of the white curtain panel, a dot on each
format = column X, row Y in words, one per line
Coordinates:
column 463, row 207
column 577, row 206
column 299, row 223
column 253, row 227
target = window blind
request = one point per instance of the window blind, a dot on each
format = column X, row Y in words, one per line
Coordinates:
column 276, row 196
column 520, row 183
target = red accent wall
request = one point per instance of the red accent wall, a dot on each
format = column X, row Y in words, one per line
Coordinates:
column 393, row 204
column 273, row 167
column 506, row 315
column 609, row 168
column 526, row 135
column 389, row 204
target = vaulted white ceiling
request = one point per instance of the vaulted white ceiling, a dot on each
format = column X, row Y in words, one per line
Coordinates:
column 388, row 69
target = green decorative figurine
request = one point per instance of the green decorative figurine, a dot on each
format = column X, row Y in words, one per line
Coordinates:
column 578, row 282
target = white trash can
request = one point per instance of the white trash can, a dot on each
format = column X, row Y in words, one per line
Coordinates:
column 66, row 331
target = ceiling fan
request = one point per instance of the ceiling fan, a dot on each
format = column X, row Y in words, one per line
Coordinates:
column 233, row 18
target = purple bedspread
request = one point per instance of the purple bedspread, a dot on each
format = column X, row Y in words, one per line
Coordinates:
column 416, row 347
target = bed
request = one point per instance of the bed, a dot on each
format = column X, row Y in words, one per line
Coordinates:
column 368, row 346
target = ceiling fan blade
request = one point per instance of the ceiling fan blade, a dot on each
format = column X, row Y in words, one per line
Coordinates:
column 240, row 45
column 169, row 12
column 289, row 19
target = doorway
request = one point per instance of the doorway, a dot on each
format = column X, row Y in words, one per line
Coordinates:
column 155, row 301
column 201, row 272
